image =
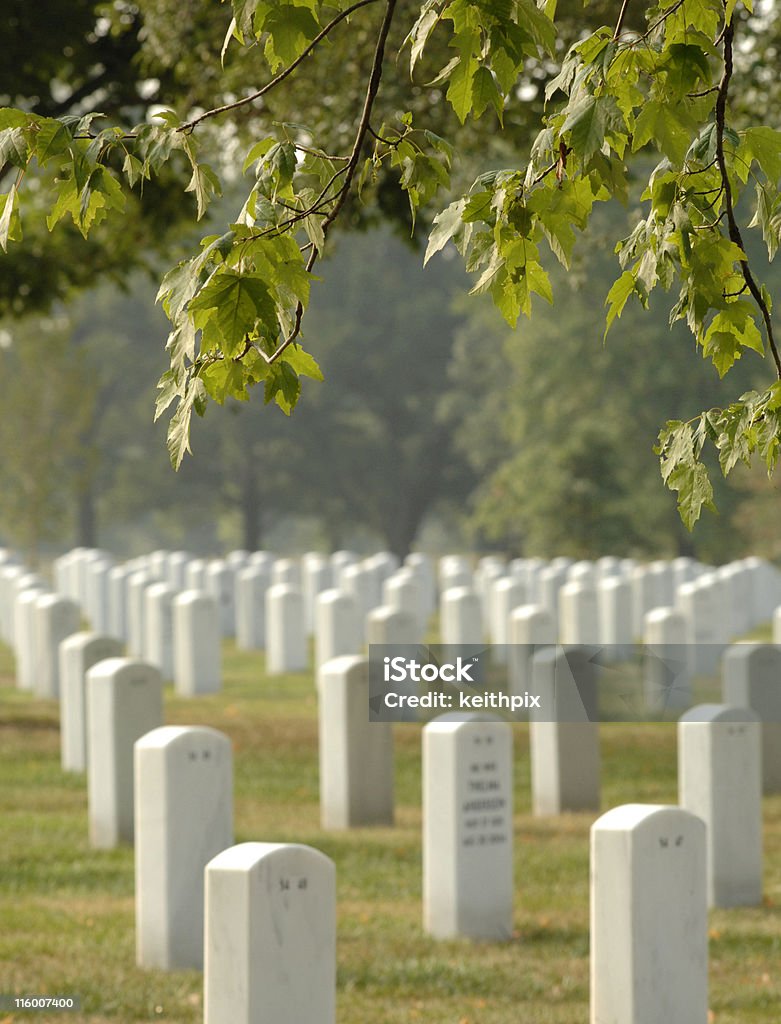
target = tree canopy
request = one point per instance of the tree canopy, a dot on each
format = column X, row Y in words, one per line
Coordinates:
column 680, row 80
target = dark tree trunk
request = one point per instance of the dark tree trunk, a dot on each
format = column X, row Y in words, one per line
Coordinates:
column 87, row 519
column 250, row 509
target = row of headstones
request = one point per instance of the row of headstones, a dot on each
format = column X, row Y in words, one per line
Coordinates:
column 266, row 603
column 612, row 603
column 270, row 909
column 346, row 603
column 114, row 712
column 182, row 637
column 729, row 754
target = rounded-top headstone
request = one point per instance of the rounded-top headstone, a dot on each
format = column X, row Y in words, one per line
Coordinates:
column 270, row 936
column 183, row 818
column 649, row 920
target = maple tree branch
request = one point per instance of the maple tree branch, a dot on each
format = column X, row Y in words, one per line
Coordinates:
column 734, row 230
column 190, row 125
column 373, row 85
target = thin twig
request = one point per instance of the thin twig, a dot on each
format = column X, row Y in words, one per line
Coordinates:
column 620, row 22
column 340, row 198
column 190, row 125
column 668, row 13
column 734, row 230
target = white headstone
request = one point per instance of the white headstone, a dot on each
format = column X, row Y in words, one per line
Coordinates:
column 315, row 578
column 25, row 639
column 97, row 604
column 56, row 617
column 337, row 626
column 684, row 570
column 286, row 571
column 195, row 574
column 286, row 648
column 159, row 627
column 666, row 677
column 549, row 582
column 8, row 575
column 614, row 603
column 197, row 654
column 663, row 577
column 356, row 755
column 752, row 679
column 467, row 828
column 403, row 590
column 423, row 567
column 701, row 606
column 390, row 626
column 251, row 586
column 461, row 617
column 360, row 583
column 339, row 559
column 237, row 558
column 137, row 584
column 720, row 780
column 264, row 558
column 270, row 936
column 563, row 742
column 531, row 627
column 649, row 918
column 78, row 653
column 220, row 583
column 644, row 596
column 578, row 614
column 117, row 601
column 124, row 701
column 582, row 572
column 508, row 593
column 183, row 818
column 453, row 575
column 176, row 574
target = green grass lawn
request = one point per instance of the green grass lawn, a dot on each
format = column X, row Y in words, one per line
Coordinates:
column 66, row 911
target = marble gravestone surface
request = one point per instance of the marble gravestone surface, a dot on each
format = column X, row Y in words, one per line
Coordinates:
column 197, row 655
column 666, row 677
column 467, row 828
column 564, row 735
column 578, row 613
column 720, row 780
column 356, row 755
column 183, row 818
column 751, row 678
column 531, row 627
column 251, row 586
column 78, row 653
column 649, row 917
column 159, row 627
column 270, row 936
column 55, row 618
column 390, row 626
column 461, row 617
column 25, row 646
column 124, row 701
column 506, row 594
column 286, row 639
column 337, row 625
